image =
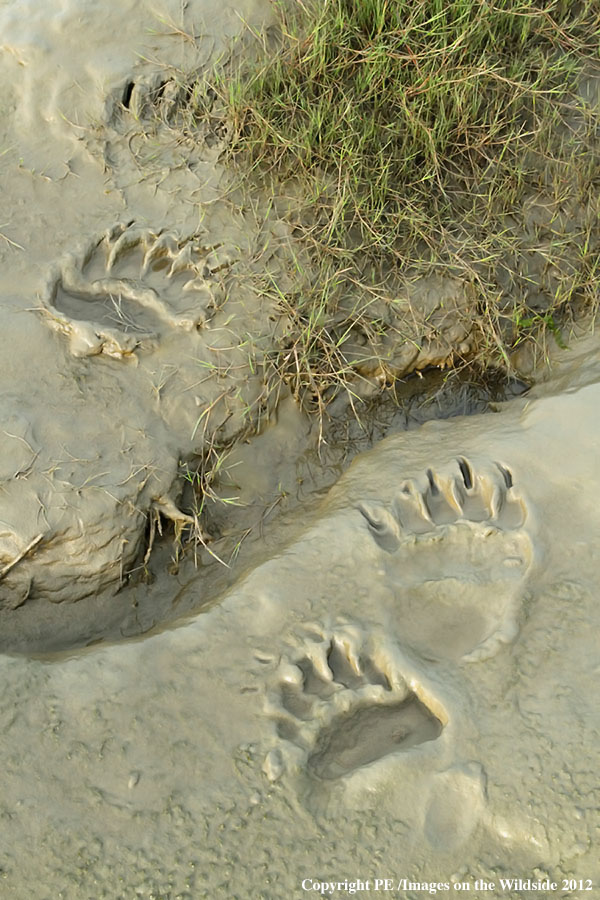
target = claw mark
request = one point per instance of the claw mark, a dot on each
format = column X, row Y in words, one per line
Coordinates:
column 434, row 488
column 506, row 474
column 467, row 474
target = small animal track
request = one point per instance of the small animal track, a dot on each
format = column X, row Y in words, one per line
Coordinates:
column 124, row 292
column 153, row 95
column 155, row 99
column 457, row 555
column 338, row 709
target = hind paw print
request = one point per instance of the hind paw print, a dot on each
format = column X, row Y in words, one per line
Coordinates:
column 152, row 95
column 153, row 99
column 457, row 556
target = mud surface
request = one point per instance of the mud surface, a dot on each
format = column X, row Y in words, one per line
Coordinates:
column 405, row 680
column 354, row 664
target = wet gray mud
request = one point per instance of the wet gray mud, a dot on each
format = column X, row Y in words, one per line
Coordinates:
column 369, row 734
column 241, row 647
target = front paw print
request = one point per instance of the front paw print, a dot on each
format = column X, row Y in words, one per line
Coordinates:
column 340, row 705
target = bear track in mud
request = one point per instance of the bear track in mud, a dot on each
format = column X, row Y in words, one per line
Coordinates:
column 338, row 707
column 122, row 293
column 457, row 555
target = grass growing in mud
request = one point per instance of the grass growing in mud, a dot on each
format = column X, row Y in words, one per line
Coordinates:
column 411, row 140
column 451, row 136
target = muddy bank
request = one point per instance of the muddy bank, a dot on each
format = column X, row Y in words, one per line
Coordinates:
column 405, row 679
column 267, row 486
column 138, row 335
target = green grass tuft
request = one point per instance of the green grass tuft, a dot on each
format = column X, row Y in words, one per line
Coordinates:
column 422, row 132
column 390, row 106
